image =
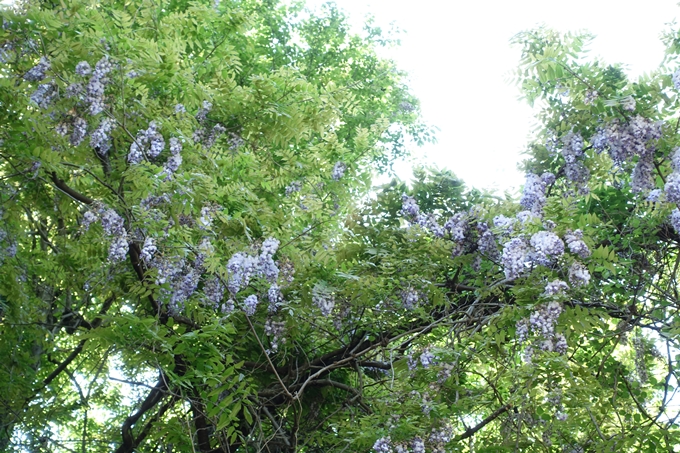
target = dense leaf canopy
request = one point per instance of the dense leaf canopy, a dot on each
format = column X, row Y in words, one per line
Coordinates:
column 192, row 257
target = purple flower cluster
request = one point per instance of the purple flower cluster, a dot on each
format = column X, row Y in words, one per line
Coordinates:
column 44, row 95
column 183, row 289
column 410, row 298
column 242, row 267
column 543, row 320
column 457, row 226
column 114, row 226
column 675, row 220
column 235, row 141
column 672, row 188
column 533, row 194
column 486, row 244
column 676, row 79
column 37, row 72
column 504, row 224
column 426, row 358
column 547, row 247
column 95, row 87
column 250, row 305
column 625, row 140
column 323, row 298
column 275, row 330
column 175, row 159
column 275, row 298
column 148, row 142
column 542, row 323
column 149, row 249
column 100, row 139
column 514, row 258
column 214, row 291
column 555, row 287
column 642, row 179
column 409, row 207
column 338, row 171
column 578, row 274
column 383, row 445
column 575, row 243
column 79, row 131
column 83, row 69
column 293, row 187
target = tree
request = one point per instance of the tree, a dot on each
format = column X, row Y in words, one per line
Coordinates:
column 192, row 259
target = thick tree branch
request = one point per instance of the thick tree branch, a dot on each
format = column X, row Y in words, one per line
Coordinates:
column 471, row 431
column 61, row 185
column 153, row 398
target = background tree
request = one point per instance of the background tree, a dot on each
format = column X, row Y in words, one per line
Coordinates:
column 192, row 260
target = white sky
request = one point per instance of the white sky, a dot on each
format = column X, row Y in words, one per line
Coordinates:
column 459, row 58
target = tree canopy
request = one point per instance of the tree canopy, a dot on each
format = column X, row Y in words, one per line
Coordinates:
column 193, row 258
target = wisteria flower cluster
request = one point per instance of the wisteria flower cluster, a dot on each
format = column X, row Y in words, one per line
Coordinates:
column 100, row 139
column 96, row 85
column 437, row 441
column 38, row 72
column 114, row 227
column 575, row 243
column 541, row 323
column 410, row 298
column 323, row 298
column 148, row 143
column 547, row 247
column 515, row 257
column 624, row 140
column 672, row 188
column 338, row 171
column 275, row 330
column 533, row 195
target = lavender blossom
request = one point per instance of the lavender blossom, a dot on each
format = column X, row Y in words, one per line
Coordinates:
column 409, row 298
column 555, row 287
column 514, row 258
column 548, row 246
column 457, row 226
column 37, row 72
column 578, row 274
column 148, row 250
column 275, row 298
column 227, row 307
column 576, row 244
column 675, row 220
column 44, row 95
column 409, row 207
column 100, row 139
column 543, row 320
column 533, row 194
column 83, row 68
column 672, row 188
column 118, row 249
column 79, row 131
column 214, row 291
column 426, row 359
column 96, row 85
column 275, row 331
column 324, row 299
column 112, row 223
column 382, row 445
column 338, row 171
column 654, row 196
column 293, row 187
column 250, row 305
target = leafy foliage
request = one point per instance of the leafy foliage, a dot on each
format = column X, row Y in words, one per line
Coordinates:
column 192, row 259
